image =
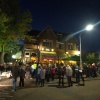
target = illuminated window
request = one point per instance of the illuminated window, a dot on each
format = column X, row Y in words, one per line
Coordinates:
column 27, row 54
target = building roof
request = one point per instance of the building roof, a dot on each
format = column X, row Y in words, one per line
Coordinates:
column 61, row 37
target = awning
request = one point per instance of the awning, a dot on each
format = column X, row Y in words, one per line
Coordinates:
column 48, row 55
column 75, row 58
column 44, row 52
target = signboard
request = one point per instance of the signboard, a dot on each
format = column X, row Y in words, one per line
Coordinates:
column 51, row 57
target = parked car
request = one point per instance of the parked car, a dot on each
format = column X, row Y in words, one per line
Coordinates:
column 7, row 74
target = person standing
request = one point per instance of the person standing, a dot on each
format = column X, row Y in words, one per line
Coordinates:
column 69, row 75
column 38, row 70
column 61, row 73
column 53, row 72
column 22, row 76
column 42, row 75
column 15, row 74
column 48, row 73
column 77, row 74
column 81, row 73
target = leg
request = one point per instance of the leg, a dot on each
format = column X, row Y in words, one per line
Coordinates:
column 62, row 81
column 71, row 81
column 20, row 82
column 48, row 77
column 43, row 82
column 59, row 81
column 14, row 84
column 68, row 80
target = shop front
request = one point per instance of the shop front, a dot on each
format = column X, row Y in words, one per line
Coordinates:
column 48, row 57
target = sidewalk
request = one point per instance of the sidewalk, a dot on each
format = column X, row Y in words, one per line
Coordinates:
column 91, row 91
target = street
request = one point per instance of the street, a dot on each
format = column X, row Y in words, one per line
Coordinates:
column 5, row 89
column 91, row 91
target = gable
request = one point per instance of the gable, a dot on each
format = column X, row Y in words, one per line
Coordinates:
column 47, row 33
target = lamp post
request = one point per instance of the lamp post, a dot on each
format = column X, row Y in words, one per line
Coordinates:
column 88, row 28
column 80, row 51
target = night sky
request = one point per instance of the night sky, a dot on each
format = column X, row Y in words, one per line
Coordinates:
column 67, row 16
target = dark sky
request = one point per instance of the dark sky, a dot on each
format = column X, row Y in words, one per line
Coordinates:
column 67, row 16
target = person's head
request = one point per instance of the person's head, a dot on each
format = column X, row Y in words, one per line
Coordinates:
column 68, row 66
column 39, row 65
column 21, row 67
column 61, row 65
column 15, row 64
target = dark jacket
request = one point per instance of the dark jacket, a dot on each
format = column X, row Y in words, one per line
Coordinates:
column 15, row 71
column 61, row 72
column 22, row 73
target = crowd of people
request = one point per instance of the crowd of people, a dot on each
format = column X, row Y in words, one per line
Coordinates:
column 48, row 72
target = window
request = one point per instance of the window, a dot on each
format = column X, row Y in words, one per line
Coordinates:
column 33, row 41
column 33, row 54
column 71, row 46
column 75, row 47
column 68, row 46
column 47, row 43
column 27, row 54
column 60, row 46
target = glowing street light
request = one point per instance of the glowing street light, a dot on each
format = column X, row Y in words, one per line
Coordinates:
column 88, row 28
column 13, row 56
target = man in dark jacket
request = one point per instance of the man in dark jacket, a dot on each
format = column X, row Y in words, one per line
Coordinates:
column 61, row 73
column 15, row 74
column 22, row 76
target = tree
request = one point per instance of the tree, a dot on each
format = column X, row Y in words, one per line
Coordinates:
column 14, row 24
column 92, row 57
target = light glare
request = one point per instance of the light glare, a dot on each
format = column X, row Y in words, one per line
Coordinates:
column 89, row 27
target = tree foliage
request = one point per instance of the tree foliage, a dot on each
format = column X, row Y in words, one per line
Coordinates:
column 14, row 24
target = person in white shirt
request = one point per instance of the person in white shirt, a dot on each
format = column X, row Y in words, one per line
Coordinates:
column 69, row 73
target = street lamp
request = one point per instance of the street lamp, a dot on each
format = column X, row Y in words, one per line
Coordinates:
column 88, row 28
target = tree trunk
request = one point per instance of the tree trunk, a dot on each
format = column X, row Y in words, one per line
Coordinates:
column 2, row 55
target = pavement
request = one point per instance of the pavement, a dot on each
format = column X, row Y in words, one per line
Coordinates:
column 51, row 91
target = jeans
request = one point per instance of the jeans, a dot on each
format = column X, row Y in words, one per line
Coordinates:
column 38, row 79
column 14, row 86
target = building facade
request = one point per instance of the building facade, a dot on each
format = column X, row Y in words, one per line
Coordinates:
column 48, row 46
